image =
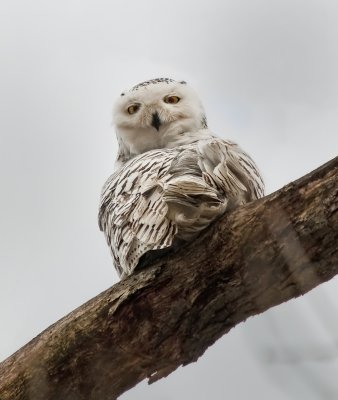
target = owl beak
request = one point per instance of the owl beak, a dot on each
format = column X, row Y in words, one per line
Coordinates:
column 156, row 122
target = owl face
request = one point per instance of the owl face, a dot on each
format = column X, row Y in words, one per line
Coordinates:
column 155, row 113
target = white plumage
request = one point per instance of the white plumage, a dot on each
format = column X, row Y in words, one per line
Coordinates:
column 173, row 176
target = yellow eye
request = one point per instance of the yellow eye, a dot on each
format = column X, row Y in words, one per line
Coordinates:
column 171, row 99
column 133, row 108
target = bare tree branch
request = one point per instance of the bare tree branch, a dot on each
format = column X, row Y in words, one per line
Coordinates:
column 169, row 313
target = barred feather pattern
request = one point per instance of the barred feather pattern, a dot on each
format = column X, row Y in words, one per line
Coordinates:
column 173, row 193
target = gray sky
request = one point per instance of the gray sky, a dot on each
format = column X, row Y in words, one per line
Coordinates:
column 267, row 74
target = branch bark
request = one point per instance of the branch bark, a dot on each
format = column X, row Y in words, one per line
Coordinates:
column 169, row 313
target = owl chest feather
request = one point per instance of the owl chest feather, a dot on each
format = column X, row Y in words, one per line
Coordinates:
column 169, row 194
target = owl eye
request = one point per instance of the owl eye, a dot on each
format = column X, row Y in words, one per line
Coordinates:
column 133, row 108
column 171, row 99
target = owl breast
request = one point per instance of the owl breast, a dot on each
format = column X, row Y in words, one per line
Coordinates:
column 168, row 194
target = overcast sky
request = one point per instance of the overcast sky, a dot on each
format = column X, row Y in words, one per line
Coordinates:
column 266, row 71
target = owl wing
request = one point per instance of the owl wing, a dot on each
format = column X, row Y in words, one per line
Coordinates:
column 228, row 168
column 173, row 192
column 133, row 213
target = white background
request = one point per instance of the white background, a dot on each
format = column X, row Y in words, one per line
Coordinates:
column 266, row 71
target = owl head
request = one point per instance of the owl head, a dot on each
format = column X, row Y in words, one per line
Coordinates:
column 159, row 113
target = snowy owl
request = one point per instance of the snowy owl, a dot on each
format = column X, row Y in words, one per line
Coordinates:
column 172, row 176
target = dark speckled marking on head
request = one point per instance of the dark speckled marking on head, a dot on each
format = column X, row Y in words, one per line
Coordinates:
column 152, row 82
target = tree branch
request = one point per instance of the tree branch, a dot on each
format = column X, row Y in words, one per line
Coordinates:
column 169, row 313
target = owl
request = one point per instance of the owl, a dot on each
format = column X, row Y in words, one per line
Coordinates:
column 172, row 176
